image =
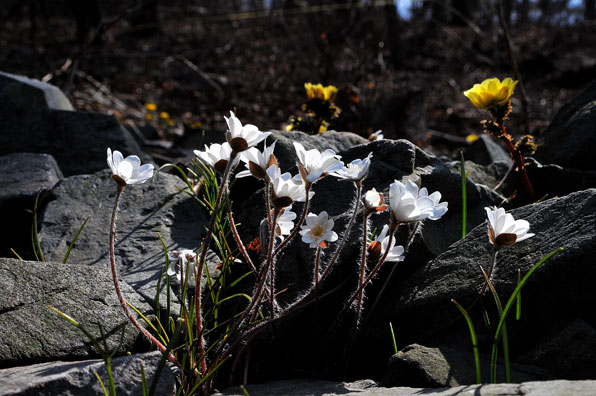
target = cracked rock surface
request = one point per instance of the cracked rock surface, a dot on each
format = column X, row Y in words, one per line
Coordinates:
column 30, row 332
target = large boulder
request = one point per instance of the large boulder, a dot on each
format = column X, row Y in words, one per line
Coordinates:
column 26, row 93
column 561, row 288
column 23, row 176
column 570, row 139
column 146, row 211
column 31, row 332
column 37, row 120
column 78, row 378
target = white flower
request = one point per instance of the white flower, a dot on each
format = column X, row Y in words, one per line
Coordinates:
column 314, row 164
column 285, row 188
column 179, row 261
column 379, row 245
column 128, row 170
column 317, row 230
column 257, row 162
column 504, row 230
column 408, row 204
column 378, row 135
column 240, row 137
column 355, row 170
column 285, row 222
column 217, row 155
column 373, row 201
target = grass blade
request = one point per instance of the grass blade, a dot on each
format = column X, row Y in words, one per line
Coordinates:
column 518, row 300
column 474, row 340
column 464, row 197
column 495, row 348
column 103, row 388
column 393, row 337
column 16, row 254
column 74, row 240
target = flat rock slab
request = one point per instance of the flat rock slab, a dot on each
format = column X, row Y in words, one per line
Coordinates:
column 145, row 210
column 365, row 388
column 77, row 378
column 31, row 332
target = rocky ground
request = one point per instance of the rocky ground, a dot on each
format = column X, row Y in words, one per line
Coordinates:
column 55, row 143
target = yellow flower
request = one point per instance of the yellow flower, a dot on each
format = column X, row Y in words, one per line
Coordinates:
column 148, row 117
column 150, row 106
column 491, row 93
column 317, row 91
column 164, row 115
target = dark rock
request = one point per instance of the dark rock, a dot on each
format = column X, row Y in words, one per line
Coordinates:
column 78, row 379
column 485, row 151
column 77, row 140
column 422, row 367
column 23, row 176
column 146, row 210
column 570, row 139
column 31, row 332
column 392, row 160
column 567, row 351
column 553, row 180
column 324, row 388
column 27, row 94
column 423, row 300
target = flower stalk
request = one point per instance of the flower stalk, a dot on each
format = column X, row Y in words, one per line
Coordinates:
column 123, row 304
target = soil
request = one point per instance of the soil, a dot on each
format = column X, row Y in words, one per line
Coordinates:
column 405, row 77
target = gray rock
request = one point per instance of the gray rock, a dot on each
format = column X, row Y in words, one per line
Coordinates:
column 78, row 379
column 567, row 351
column 324, row 388
column 486, row 151
column 424, row 367
column 37, row 120
column 146, row 210
column 31, row 332
column 423, row 300
column 26, row 93
column 570, row 139
column 23, row 176
column 77, row 140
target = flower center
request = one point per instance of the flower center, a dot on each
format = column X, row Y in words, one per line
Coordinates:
column 317, row 230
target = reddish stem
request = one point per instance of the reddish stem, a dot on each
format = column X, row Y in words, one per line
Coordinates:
column 519, row 161
column 127, row 312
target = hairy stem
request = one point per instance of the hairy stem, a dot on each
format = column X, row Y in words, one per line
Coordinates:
column 362, row 267
column 519, row 160
column 201, row 264
column 236, row 234
column 377, row 266
column 298, row 225
column 407, row 247
column 493, row 262
column 127, row 312
column 346, row 232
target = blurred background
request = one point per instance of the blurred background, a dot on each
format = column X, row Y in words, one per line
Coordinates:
column 173, row 69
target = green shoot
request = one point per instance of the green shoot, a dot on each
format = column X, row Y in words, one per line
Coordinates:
column 493, row 357
column 393, row 338
column 464, row 196
column 103, row 388
column 244, row 391
column 74, row 240
column 16, row 254
column 474, row 340
column 518, row 303
column 143, row 380
column 34, row 235
column 518, row 290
